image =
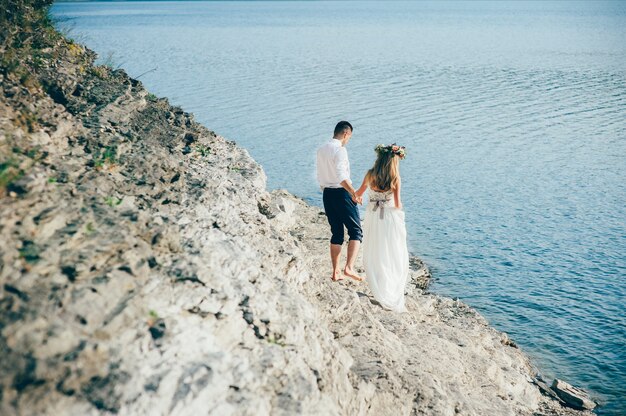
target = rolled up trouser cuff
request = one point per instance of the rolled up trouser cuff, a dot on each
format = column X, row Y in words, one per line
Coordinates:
column 342, row 211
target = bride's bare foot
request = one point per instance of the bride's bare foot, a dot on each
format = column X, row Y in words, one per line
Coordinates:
column 351, row 274
column 337, row 276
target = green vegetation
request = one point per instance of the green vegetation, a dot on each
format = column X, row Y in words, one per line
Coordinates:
column 203, row 150
column 29, row 252
column 67, row 30
column 28, row 120
column 101, row 72
column 26, row 31
column 276, row 340
column 9, row 172
column 105, row 156
column 89, row 228
column 34, row 153
column 110, row 61
column 14, row 66
column 16, row 165
column 112, row 201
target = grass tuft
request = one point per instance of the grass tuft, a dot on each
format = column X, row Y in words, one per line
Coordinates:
column 108, row 155
column 112, row 201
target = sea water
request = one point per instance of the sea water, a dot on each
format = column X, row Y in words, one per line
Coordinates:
column 514, row 118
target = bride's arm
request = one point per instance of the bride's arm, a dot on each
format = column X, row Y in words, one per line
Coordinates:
column 396, row 195
column 363, row 187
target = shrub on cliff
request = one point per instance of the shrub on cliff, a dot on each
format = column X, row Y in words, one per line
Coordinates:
column 22, row 17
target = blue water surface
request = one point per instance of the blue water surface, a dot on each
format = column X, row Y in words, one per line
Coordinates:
column 513, row 114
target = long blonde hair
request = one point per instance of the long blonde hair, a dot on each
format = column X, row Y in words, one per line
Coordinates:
column 385, row 174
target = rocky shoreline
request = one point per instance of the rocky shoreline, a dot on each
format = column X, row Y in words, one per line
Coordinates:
column 145, row 269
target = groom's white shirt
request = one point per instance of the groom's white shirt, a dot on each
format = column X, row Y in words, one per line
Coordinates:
column 333, row 166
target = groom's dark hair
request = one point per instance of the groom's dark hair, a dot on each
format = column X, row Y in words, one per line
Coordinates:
column 341, row 127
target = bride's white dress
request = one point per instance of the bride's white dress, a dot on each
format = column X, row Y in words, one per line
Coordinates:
column 385, row 254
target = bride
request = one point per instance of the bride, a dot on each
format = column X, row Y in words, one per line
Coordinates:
column 385, row 254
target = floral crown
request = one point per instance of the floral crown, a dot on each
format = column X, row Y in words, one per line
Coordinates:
column 392, row 148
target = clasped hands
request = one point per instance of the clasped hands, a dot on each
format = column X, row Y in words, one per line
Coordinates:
column 357, row 198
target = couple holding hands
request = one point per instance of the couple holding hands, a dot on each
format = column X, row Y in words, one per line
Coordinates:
column 383, row 234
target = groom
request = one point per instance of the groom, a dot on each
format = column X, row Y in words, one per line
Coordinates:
column 340, row 199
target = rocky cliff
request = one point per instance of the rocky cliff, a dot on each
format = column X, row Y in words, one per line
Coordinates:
column 145, row 269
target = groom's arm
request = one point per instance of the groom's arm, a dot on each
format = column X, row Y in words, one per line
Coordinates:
column 347, row 185
column 340, row 161
column 341, row 168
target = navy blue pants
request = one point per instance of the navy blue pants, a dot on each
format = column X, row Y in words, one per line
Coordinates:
column 342, row 211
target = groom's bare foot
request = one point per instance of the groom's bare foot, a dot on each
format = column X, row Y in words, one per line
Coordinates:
column 351, row 274
column 337, row 276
